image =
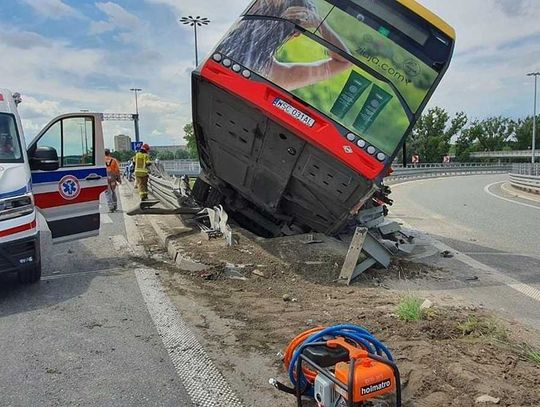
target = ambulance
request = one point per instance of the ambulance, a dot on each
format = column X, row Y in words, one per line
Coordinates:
column 53, row 184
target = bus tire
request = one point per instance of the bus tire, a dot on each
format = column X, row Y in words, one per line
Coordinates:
column 30, row 275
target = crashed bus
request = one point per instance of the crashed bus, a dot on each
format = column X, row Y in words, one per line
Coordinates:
column 303, row 106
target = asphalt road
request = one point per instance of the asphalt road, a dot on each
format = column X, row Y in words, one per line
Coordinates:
column 493, row 228
column 83, row 335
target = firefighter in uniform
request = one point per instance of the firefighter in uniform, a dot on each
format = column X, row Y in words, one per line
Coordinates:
column 142, row 161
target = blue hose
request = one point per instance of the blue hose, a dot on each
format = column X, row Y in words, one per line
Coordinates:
column 359, row 335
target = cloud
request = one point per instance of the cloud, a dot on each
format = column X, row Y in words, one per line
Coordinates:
column 75, row 69
column 118, row 18
column 24, row 39
column 53, row 9
column 514, row 7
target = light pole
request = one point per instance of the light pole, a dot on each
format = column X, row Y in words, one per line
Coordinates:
column 136, row 117
column 195, row 22
column 536, row 75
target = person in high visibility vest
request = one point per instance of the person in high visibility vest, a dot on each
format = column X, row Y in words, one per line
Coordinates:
column 113, row 179
column 142, row 162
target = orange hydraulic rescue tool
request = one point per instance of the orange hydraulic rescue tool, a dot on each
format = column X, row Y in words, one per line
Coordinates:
column 345, row 366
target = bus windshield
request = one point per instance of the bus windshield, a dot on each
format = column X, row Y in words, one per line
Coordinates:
column 300, row 45
column 10, row 146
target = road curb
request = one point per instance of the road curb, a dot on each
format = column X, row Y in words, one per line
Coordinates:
column 168, row 234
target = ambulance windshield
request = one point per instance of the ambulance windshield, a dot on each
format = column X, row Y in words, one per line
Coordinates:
column 10, row 146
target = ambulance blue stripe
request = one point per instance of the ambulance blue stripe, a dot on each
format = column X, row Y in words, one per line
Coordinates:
column 18, row 192
column 55, row 176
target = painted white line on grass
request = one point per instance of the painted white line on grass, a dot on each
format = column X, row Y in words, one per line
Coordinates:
column 487, row 191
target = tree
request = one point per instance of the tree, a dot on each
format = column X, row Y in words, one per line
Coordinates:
column 467, row 143
column 181, row 155
column 189, row 136
column 431, row 136
column 497, row 132
column 123, row 156
column 523, row 133
column 165, row 155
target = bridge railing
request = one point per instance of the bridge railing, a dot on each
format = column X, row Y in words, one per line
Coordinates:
column 191, row 168
column 526, row 177
column 432, row 170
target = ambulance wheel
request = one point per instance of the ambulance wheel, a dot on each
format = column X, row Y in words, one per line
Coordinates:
column 30, row 275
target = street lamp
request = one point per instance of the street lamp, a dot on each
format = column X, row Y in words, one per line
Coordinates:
column 136, row 117
column 195, row 22
column 536, row 75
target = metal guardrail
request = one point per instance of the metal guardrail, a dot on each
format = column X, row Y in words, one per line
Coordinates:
column 526, row 169
column 191, row 168
column 502, row 154
column 526, row 177
column 164, row 187
column 445, row 170
column 167, row 178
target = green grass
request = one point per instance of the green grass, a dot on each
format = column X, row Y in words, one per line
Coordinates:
column 533, row 356
column 479, row 327
column 409, row 309
column 529, row 354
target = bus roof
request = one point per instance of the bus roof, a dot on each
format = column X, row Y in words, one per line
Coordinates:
column 429, row 16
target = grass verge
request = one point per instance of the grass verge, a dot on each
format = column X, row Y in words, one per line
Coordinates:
column 480, row 327
column 410, row 309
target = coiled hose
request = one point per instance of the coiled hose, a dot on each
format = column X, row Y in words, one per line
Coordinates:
column 355, row 334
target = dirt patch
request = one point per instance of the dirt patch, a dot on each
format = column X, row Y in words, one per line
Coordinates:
column 441, row 364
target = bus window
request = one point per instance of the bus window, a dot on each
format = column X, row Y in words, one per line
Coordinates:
column 372, row 85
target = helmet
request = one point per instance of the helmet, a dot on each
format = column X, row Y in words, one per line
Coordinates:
column 107, row 151
column 145, row 147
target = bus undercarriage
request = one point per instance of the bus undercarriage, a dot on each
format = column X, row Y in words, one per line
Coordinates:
column 269, row 179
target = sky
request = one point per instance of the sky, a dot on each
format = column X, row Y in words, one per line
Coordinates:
column 68, row 55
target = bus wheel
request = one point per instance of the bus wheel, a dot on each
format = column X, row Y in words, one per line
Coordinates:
column 30, row 275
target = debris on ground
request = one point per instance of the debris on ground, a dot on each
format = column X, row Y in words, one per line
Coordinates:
column 447, row 357
column 488, row 399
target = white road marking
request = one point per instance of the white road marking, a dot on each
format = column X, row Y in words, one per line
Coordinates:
column 487, row 191
column 82, row 273
column 203, row 382
column 519, row 193
column 502, row 278
column 105, row 219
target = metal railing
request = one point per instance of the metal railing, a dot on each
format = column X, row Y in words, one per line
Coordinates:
column 164, row 182
column 502, row 154
column 429, row 170
column 526, row 169
column 526, row 177
column 164, row 186
column 191, row 168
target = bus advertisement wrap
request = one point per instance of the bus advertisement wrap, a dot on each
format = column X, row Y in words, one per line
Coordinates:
column 276, row 50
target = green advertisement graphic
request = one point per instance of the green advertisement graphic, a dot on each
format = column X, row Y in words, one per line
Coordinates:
column 374, row 105
column 362, row 97
column 354, row 88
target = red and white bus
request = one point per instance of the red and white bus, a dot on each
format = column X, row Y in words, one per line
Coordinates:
column 302, row 107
